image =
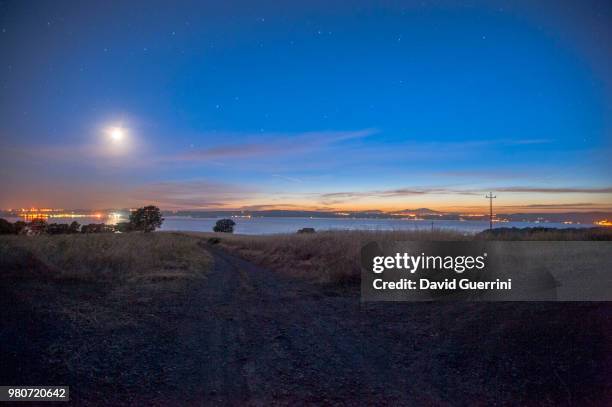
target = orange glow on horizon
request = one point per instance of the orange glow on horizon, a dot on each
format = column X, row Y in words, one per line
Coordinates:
column 407, row 209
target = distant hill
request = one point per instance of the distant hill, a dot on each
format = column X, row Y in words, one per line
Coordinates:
column 419, row 211
column 283, row 214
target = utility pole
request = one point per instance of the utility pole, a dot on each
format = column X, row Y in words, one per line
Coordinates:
column 490, row 197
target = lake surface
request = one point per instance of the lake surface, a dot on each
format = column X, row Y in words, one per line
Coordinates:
column 266, row 226
column 263, row 226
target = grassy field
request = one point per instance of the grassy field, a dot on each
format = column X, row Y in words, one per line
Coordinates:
column 328, row 257
column 333, row 257
column 119, row 258
column 71, row 303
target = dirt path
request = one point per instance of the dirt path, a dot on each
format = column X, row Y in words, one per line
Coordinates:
column 252, row 336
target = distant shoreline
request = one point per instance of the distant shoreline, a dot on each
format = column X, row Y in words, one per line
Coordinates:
column 269, row 225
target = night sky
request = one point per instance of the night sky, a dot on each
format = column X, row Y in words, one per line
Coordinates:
column 326, row 105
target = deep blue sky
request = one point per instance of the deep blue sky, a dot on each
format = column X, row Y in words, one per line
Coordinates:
column 320, row 104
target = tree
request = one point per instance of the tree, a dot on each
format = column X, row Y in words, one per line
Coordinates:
column 6, row 227
column 146, row 219
column 225, row 226
column 74, row 227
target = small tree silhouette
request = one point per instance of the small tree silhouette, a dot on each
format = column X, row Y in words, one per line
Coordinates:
column 225, row 226
column 146, row 219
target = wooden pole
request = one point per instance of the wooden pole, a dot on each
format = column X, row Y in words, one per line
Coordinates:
column 490, row 197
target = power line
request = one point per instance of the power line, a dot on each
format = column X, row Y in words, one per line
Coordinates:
column 490, row 197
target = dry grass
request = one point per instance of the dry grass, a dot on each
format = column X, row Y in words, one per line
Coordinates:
column 333, row 257
column 104, row 257
column 92, row 278
column 68, row 299
column 327, row 257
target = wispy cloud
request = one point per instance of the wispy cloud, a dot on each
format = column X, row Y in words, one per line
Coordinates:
column 285, row 206
column 278, row 143
column 237, row 150
column 481, row 174
column 286, row 178
column 331, row 198
column 344, row 196
column 397, row 192
column 522, row 142
column 192, row 194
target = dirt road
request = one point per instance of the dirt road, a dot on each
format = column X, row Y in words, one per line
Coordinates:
column 252, row 336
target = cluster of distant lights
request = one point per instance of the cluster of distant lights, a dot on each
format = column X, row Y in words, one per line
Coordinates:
column 48, row 213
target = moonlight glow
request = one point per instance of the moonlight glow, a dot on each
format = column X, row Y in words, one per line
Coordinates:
column 116, row 134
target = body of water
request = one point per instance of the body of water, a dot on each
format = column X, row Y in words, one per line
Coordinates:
column 264, row 226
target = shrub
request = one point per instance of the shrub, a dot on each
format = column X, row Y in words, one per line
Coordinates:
column 96, row 228
column 123, row 227
column 57, row 228
column 74, row 227
column 225, row 226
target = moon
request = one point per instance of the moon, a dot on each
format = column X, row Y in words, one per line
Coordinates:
column 116, row 134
